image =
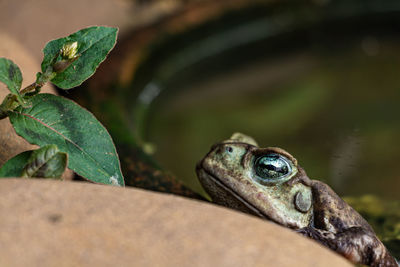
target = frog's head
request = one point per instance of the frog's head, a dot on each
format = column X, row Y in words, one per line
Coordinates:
column 261, row 181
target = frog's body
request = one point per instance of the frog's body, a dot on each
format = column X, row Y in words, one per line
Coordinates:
column 268, row 183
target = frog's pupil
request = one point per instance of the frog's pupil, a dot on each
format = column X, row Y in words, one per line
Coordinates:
column 271, row 166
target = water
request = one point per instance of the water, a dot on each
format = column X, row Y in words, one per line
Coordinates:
column 336, row 111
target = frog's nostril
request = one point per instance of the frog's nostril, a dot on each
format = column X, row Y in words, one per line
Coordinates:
column 229, row 149
column 222, row 149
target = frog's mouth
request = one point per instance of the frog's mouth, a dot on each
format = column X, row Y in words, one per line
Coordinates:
column 224, row 195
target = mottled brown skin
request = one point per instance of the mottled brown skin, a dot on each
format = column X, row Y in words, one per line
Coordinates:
column 338, row 226
column 330, row 220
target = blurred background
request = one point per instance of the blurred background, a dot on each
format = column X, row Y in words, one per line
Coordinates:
column 317, row 78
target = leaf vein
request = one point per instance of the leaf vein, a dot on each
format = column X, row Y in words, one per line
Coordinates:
column 69, row 140
column 96, row 41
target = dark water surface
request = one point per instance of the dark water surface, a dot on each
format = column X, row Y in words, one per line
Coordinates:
column 337, row 112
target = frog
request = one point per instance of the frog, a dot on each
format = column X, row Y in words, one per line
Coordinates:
column 270, row 184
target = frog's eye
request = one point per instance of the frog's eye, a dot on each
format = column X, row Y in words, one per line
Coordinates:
column 272, row 168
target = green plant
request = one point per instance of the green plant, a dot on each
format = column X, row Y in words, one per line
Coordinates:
column 64, row 130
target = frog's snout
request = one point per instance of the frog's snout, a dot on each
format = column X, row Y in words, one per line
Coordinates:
column 222, row 151
column 228, row 154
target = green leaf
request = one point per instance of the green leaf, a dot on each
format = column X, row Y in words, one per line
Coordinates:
column 14, row 166
column 46, row 162
column 94, row 44
column 55, row 120
column 10, row 75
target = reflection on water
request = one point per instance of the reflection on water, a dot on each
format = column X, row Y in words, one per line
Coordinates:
column 336, row 111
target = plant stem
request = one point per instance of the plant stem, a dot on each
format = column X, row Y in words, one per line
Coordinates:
column 12, row 101
column 9, row 103
column 34, row 86
column 41, row 79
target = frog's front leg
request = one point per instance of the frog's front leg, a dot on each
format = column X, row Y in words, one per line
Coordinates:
column 355, row 243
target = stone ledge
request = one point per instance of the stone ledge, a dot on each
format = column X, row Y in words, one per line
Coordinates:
column 56, row 223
